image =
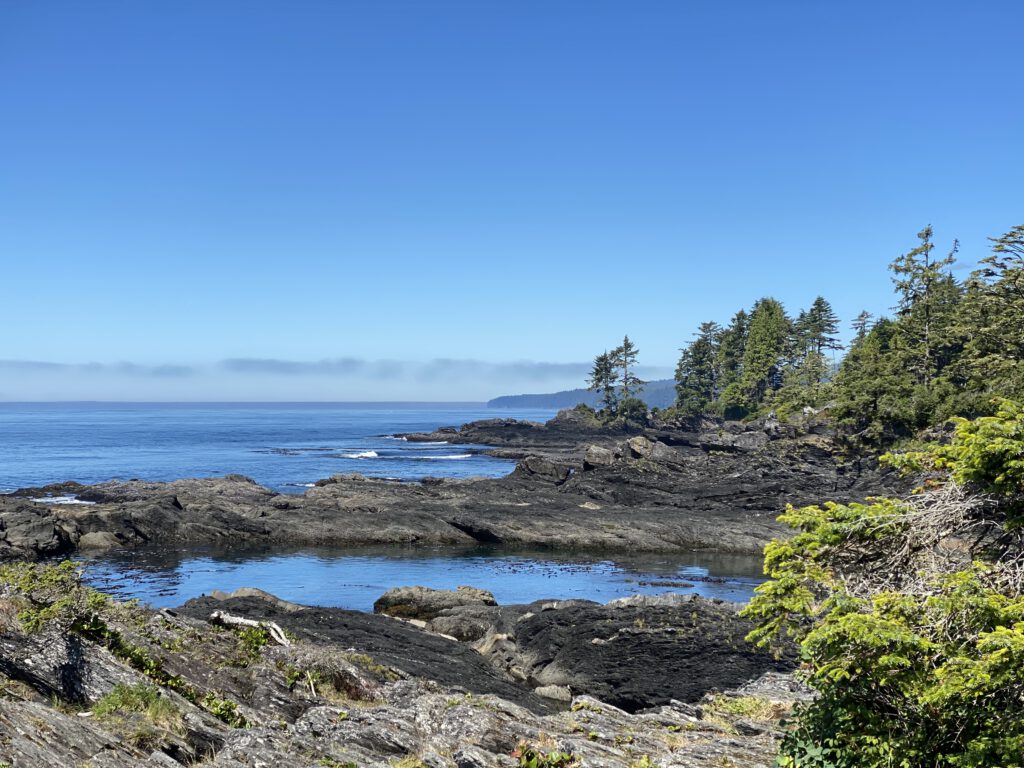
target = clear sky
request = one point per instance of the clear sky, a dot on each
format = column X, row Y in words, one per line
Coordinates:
column 303, row 200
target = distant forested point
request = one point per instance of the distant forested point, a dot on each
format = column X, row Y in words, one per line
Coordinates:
column 660, row 393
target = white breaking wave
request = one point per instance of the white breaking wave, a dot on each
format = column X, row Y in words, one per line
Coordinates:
column 361, row 455
column 61, row 500
column 443, row 458
column 431, row 442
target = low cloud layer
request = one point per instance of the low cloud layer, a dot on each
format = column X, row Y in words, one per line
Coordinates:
column 343, row 378
column 121, row 369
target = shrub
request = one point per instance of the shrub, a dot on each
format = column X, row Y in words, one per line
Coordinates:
column 909, row 613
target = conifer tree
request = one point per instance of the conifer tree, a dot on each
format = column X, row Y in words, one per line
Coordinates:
column 602, row 379
column 731, row 346
column 822, row 325
column 697, row 372
column 991, row 320
column 916, row 276
column 762, row 358
column 624, row 358
column 861, row 324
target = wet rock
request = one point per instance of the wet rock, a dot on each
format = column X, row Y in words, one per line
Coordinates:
column 98, row 540
column 391, row 643
column 31, row 530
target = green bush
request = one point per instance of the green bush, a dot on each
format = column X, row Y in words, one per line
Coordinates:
column 532, row 757
column 633, row 410
column 914, row 646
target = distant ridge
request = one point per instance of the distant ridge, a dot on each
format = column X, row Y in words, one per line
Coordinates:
column 657, row 394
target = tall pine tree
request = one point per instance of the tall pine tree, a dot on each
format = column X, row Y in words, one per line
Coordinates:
column 697, row 372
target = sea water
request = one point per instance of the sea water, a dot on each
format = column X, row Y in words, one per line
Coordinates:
column 286, row 447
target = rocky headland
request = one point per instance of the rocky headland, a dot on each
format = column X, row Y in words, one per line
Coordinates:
column 578, row 485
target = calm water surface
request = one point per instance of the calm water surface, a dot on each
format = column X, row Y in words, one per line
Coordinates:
column 355, row 577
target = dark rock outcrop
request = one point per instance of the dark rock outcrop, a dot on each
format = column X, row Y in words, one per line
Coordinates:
column 668, row 489
column 354, row 688
column 634, row 653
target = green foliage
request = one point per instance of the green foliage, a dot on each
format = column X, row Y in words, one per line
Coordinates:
column 250, row 641
column 986, row 453
column 731, row 347
column 911, row 669
column 224, row 709
column 141, row 698
column 53, row 594
column 140, row 715
column 624, row 357
column 602, row 379
column 950, row 349
column 613, row 376
column 532, row 757
column 633, row 410
column 697, row 372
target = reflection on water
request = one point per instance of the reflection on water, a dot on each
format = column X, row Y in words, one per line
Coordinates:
column 356, row 576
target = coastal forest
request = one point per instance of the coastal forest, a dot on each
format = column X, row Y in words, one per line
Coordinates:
column 950, row 347
column 907, row 612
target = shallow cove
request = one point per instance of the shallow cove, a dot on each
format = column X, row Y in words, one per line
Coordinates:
column 354, row 577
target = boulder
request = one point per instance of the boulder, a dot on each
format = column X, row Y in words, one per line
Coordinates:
column 596, row 456
column 99, row 540
column 640, row 447
column 425, row 604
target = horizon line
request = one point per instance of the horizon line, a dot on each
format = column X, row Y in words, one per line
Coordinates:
column 244, row 402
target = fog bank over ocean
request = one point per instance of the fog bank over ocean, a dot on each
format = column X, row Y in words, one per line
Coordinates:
column 280, row 380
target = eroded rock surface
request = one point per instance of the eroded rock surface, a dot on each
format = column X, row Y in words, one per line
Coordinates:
column 634, row 653
column 705, row 487
column 370, row 693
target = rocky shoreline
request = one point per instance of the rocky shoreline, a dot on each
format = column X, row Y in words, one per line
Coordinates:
column 578, row 485
column 207, row 682
column 432, row 678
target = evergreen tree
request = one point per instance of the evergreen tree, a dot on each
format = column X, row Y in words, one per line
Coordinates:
column 873, row 390
column 697, row 372
column 731, row 345
column 624, row 358
column 991, row 322
column 761, row 371
column 822, row 324
column 916, row 276
column 861, row 324
column 602, row 379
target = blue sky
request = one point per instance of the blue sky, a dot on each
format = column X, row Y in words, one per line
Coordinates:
column 456, row 200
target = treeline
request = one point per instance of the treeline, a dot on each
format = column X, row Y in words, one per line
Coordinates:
column 950, row 347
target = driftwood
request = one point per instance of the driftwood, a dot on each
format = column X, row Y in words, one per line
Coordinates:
column 276, row 633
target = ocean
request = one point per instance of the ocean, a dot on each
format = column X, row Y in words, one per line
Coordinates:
column 284, row 446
